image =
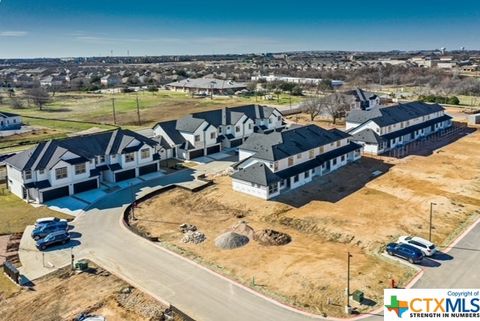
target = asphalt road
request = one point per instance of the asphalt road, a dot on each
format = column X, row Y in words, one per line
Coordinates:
column 206, row 296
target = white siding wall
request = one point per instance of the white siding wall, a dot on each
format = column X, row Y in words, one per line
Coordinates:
column 247, row 188
column 15, row 181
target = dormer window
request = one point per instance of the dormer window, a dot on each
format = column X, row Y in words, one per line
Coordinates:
column 145, row 153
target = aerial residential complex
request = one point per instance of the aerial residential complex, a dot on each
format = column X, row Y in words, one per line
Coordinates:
column 381, row 129
column 206, row 86
column 59, row 168
column 210, row 132
column 270, row 164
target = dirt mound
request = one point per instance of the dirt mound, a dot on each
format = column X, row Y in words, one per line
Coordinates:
column 231, row 240
column 244, row 229
column 272, row 237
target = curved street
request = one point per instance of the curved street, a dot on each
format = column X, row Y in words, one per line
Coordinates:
column 203, row 295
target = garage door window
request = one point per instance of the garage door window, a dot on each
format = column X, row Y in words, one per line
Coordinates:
column 80, row 169
column 61, row 173
column 145, row 153
column 130, row 157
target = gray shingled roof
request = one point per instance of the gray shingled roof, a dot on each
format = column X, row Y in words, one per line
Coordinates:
column 189, row 124
column 47, row 154
column 368, row 136
column 7, row 115
column 278, row 145
column 385, row 116
column 257, row 173
column 207, row 83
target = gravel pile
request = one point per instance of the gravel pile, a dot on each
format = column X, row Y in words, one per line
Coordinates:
column 194, row 237
column 231, row 240
column 272, row 237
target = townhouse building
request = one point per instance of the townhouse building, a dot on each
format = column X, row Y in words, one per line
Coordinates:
column 63, row 167
column 209, row 132
column 9, row 121
column 270, row 164
column 381, row 129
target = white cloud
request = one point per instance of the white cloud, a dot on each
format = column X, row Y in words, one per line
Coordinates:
column 11, row 33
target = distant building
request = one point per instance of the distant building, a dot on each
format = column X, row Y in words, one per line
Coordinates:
column 206, row 86
column 272, row 163
column 111, row 80
column 361, row 99
column 296, row 80
column 381, row 129
column 10, row 121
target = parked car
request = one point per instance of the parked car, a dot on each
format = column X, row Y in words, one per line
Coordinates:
column 44, row 229
column 405, row 251
column 49, row 220
column 58, row 237
column 427, row 247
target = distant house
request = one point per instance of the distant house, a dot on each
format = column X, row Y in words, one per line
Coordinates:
column 296, row 80
column 210, row 132
column 381, row 129
column 63, row 167
column 206, row 86
column 270, row 164
column 23, row 81
column 54, row 81
column 9, row 121
column 111, row 80
column 361, row 99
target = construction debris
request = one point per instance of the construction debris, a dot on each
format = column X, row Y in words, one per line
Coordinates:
column 231, row 240
column 194, row 237
column 184, row 228
column 244, row 229
column 271, row 237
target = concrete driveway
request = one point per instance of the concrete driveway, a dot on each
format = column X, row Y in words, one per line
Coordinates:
column 202, row 294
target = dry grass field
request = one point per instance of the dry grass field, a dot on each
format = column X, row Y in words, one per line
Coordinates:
column 349, row 210
column 63, row 295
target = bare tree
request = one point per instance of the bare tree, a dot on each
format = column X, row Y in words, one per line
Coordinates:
column 314, row 106
column 16, row 103
column 337, row 106
column 39, row 96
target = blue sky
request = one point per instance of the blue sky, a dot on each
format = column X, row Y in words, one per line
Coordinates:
column 64, row 28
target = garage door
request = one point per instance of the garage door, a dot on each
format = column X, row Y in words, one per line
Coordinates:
column 124, row 175
column 213, row 149
column 196, row 153
column 148, row 169
column 55, row 193
column 236, row 142
column 85, row 186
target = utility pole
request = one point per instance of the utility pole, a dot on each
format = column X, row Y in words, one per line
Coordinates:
column 431, row 218
column 347, row 308
column 138, row 112
column 113, row 109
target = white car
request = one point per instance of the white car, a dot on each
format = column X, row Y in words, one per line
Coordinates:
column 427, row 247
column 47, row 220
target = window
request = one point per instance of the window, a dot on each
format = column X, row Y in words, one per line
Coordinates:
column 321, row 150
column 272, row 188
column 311, row 154
column 269, row 121
column 295, row 178
column 41, row 172
column 275, row 166
column 145, row 153
column 80, row 169
column 237, row 129
column 279, row 118
column 307, row 174
column 28, row 174
column 213, row 135
column 339, row 143
column 130, row 157
column 249, row 126
column 61, row 173
column 343, row 158
column 220, row 130
column 101, row 159
column 299, row 155
column 197, row 138
column 290, row 161
column 334, row 161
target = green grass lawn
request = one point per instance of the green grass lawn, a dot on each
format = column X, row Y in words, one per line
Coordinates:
column 16, row 214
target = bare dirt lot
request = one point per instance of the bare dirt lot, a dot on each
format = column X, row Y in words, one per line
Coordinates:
column 64, row 294
column 349, row 210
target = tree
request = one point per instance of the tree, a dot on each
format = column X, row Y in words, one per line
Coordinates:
column 325, row 85
column 337, row 106
column 16, row 103
column 453, row 100
column 314, row 106
column 39, row 96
